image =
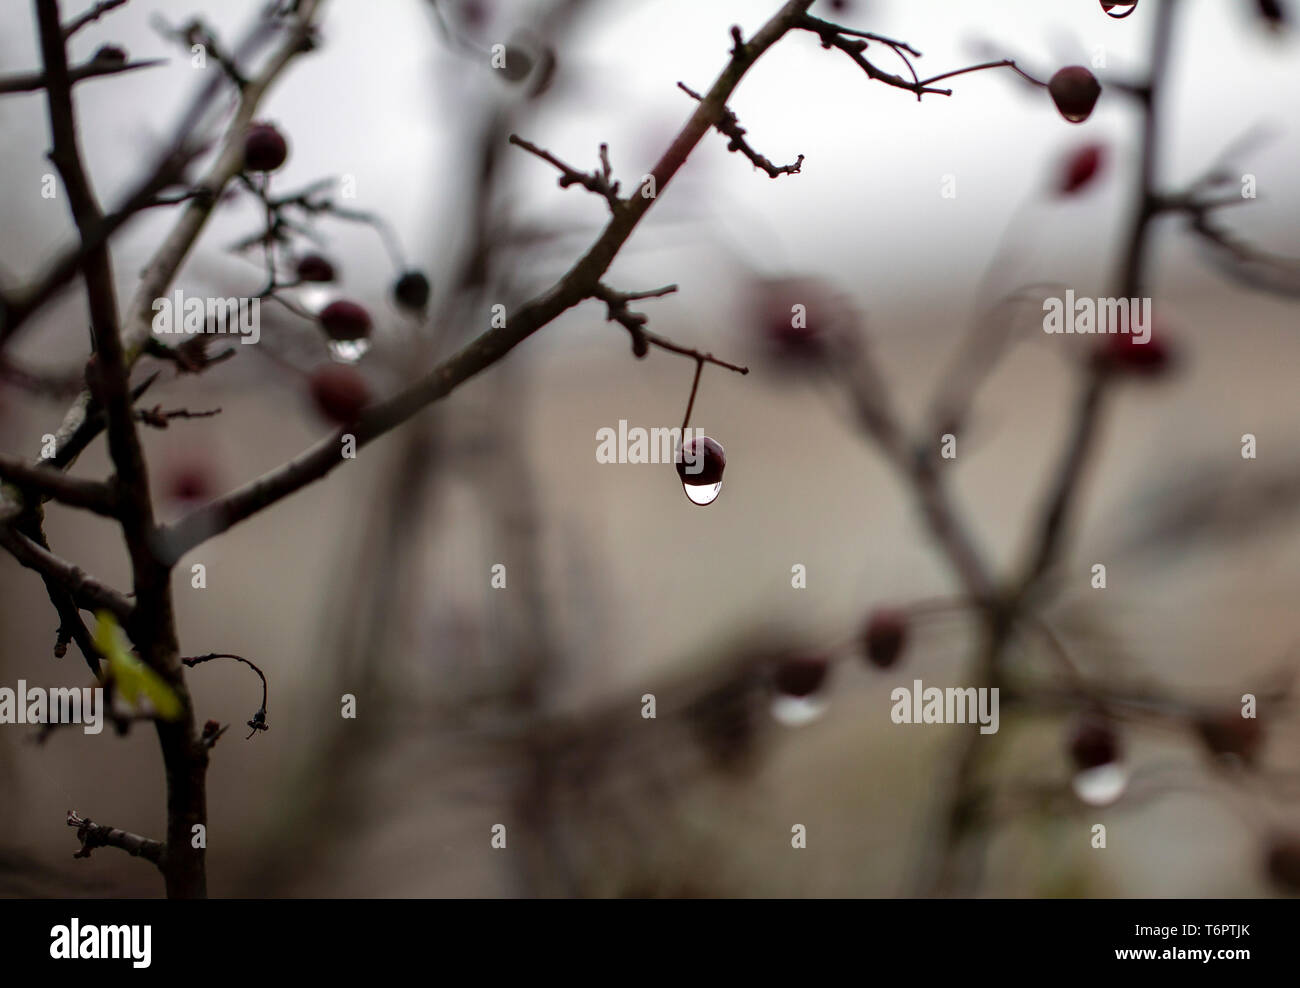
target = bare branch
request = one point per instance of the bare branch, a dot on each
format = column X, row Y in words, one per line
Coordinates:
column 87, row 591
column 729, row 125
column 31, row 82
column 597, row 182
column 93, row 495
column 93, row 835
column 93, row 14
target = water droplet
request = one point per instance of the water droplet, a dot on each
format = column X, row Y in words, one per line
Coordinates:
column 703, row 493
column 349, row 351
column 795, row 711
column 1102, row 785
column 1119, row 10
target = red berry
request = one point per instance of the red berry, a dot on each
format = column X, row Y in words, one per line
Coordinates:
column 412, row 290
column 340, row 393
column 1081, row 167
column 313, row 267
column 701, row 462
column 1093, row 742
column 884, row 637
column 1273, row 12
column 1282, row 861
column 1123, row 353
column 1074, row 90
column 797, row 318
column 800, row 677
column 265, row 148
column 189, row 483
column 1229, row 733
column 344, row 320
column 518, row 64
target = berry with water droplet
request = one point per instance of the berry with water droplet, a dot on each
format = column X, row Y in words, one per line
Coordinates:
column 884, row 637
column 313, row 267
column 1118, row 10
column 1074, row 90
column 1229, row 733
column 801, row 676
column 1093, row 742
column 411, row 290
column 340, row 393
column 700, row 463
column 265, row 148
column 345, row 320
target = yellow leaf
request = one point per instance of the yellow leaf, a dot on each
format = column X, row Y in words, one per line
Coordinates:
column 130, row 676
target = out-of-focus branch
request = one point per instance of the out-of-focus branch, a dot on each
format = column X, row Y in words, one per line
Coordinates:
column 102, row 65
column 93, row 495
column 87, row 591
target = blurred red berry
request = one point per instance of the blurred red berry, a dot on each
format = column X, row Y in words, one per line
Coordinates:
column 345, row 320
column 189, row 483
column 313, row 267
column 411, row 290
column 1273, row 12
column 884, row 637
column 1118, row 10
column 340, row 393
column 265, row 148
column 800, row 676
column 1074, row 90
column 1092, row 742
column 1081, row 167
column 1229, row 733
column 1124, row 353
column 1282, row 861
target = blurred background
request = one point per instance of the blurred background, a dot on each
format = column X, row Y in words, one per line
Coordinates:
column 522, row 706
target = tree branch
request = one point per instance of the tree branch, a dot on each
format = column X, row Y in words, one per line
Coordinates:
column 93, row 835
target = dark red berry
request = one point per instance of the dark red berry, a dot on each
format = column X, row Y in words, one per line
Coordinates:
column 1074, row 90
column 1229, row 733
column 701, row 462
column 1081, row 167
column 1093, row 742
column 518, row 64
column 1282, row 861
column 1123, row 353
column 265, row 148
column 340, row 393
column 344, row 320
column 411, row 290
column 189, row 483
column 798, row 317
column 1273, row 12
column 801, row 676
column 884, row 637
column 313, row 267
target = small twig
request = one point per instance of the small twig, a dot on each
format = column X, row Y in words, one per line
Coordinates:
column 54, row 484
column 597, row 182
column 93, row 835
column 258, row 722
column 158, row 419
column 30, row 82
column 729, row 126
column 93, row 14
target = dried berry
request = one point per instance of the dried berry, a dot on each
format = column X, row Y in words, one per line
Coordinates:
column 1074, row 90
column 265, row 148
column 884, row 637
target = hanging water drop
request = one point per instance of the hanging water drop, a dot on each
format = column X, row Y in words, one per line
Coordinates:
column 348, row 351
column 700, row 463
column 703, row 493
column 1102, row 785
column 795, row 711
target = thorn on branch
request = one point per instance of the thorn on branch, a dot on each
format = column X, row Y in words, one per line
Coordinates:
column 597, row 182
column 729, row 125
